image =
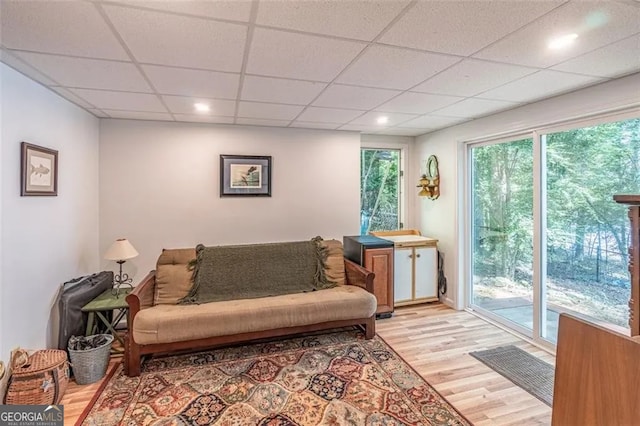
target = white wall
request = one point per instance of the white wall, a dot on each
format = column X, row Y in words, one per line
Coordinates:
column 159, row 186
column 45, row 240
column 444, row 218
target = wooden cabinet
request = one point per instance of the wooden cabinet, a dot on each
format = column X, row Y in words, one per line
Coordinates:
column 375, row 254
column 415, row 276
column 402, row 277
column 426, row 273
column 380, row 262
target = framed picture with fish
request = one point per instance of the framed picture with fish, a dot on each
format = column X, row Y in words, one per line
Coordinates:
column 245, row 175
column 39, row 170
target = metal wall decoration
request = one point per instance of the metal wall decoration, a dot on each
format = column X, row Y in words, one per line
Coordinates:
column 430, row 181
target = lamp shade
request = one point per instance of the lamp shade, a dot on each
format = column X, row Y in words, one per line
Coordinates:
column 121, row 249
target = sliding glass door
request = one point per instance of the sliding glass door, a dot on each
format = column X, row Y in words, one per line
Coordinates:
column 502, row 230
column 587, row 234
column 545, row 235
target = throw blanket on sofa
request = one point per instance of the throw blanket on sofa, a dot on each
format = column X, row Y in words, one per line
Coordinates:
column 257, row 270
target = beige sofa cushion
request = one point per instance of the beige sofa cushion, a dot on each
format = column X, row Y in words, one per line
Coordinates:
column 175, row 323
column 334, row 265
column 173, row 277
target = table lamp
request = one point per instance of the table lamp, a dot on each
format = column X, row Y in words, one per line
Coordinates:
column 120, row 251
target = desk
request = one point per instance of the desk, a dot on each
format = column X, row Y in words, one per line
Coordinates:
column 106, row 302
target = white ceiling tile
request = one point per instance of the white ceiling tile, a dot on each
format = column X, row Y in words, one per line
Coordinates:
column 138, row 115
column 192, row 118
column 542, row 84
column 236, row 10
column 186, row 82
column 72, row 97
column 262, row 122
column 283, row 54
column 62, row 27
column 462, row 27
column 394, row 68
column 19, row 65
column 185, row 105
column 89, row 73
column 613, row 60
column 268, row 111
column 597, row 23
column 310, row 125
column 164, row 39
column 393, row 118
column 418, row 103
column 471, row 76
column 279, row 90
column 473, row 107
column 361, row 20
column 432, row 122
column 341, row 96
column 363, row 128
column 328, row 115
column 104, row 99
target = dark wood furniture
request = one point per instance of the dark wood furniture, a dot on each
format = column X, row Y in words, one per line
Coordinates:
column 142, row 297
column 375, row 254
column 597, row 379
column 633, row 201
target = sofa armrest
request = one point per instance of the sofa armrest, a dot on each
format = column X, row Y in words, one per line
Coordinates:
column 357, row 275
column 141, row 297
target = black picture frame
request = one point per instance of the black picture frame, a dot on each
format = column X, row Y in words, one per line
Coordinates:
column 38, row 170
column 245, row 176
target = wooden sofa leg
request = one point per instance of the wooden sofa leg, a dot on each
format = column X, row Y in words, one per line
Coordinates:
column 370, row 328
column 132, row 359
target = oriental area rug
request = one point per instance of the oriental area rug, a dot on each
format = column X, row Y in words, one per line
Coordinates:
column 336, row 378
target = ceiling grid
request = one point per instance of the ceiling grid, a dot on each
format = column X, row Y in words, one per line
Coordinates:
column 327, row 64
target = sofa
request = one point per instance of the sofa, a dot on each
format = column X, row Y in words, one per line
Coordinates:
column 160, row 322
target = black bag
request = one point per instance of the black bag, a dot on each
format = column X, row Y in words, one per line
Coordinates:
column 442, row 280
column 74, row 295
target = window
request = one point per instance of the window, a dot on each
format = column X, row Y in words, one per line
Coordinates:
column 379, row 189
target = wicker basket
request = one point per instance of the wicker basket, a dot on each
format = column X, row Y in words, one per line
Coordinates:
column 42, row 380
column 90, row 365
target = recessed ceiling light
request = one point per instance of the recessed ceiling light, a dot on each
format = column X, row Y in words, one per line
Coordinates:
column 200, row 107
column 562, row 41
column 383, row 120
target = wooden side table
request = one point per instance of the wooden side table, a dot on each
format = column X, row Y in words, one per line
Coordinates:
column 107, row 302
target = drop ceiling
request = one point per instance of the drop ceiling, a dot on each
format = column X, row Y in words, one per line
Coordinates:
column 321, row 64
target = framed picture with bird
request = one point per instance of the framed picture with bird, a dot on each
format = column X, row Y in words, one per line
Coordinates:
column 245, row 175
column 39, row 170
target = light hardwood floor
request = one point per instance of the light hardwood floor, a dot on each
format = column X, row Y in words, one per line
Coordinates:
column 435, row 340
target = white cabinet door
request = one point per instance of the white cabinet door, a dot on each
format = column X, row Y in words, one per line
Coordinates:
column 426, row 272
column 402, row 272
